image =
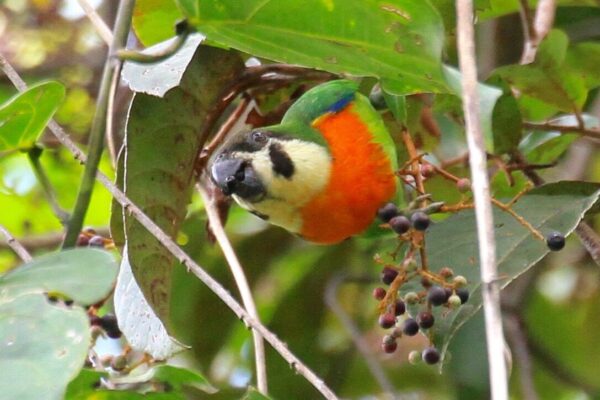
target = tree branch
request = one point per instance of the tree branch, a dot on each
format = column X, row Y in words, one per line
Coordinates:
column 15, row 245
column 97, row 133
column 181, row 255
column 238, row 275
column 538, row 28
column 34, row 157
column 101, row 28
column 588, row 132
column 483, row 206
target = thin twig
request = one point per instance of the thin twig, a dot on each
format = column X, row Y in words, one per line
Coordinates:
column 240, row 280
column 157, row 56
column 98, row 130
column 47, row 240
column 483, row 205
column 101, row 28
column 538, row 29
column 181, row 255
column 372, row 364
column 589, row 132
column 34, row 158
column 110, row 110
column 522, row 354
column 15, row 245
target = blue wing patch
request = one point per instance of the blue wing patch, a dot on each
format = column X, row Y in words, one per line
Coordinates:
column 341, row 103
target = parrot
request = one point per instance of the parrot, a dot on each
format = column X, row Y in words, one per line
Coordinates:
column 322, row 173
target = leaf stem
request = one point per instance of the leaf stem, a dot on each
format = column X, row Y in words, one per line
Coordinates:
column 483, row 205
column 34, row 158
column 15, row 245
column 593, row 133
column 240, row 279
column 97, row 133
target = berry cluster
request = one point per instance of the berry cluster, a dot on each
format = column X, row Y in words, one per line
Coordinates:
column 90, row 238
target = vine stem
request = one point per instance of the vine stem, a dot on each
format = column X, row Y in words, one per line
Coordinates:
column 34, row 158
column 15, row 245
column 97, row 133
column 178, row 252
column 483, row 205
column 99, row 25
column 239, row 276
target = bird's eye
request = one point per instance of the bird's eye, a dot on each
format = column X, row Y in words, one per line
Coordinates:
column 259, row 137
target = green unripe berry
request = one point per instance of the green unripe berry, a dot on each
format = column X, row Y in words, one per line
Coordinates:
column 414, row 357
column 454, row 302
column 411, row 298
column 459, row 281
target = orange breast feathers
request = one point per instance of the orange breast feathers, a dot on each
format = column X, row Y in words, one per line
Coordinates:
column 362, row 179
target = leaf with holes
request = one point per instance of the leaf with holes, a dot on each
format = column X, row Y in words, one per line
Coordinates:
column 398, row 41
column 24, row 117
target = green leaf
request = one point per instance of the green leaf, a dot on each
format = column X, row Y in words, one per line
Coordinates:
column 547, row 79
column 24, row 117
column 253, row 394
column 554, row 207
column 180, row 378
column 397, row 105
column 154, row 20
column 43, row 347
column 583, row 59
column 507, row 124
column 398, row 41
column 162, row 145
column 84, row 275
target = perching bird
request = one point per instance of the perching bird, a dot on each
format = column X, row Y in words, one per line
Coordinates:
column 322, row 173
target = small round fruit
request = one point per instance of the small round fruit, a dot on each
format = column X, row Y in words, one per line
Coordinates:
column 110, row 326
column 388, row 275
column 119, row 363
column 425, row 319
column 454, row 301
column 410, row 327
column 96, row 241
column 379, row 293
column 420, row 221
column 387, row 212
column 463, row 185
column 411, row 298
column 426, row 283
column 400, row 307
column 400, row 224
column 437, row 296
column 389, row 344
column 82, row 240
column 555, row 241
column 446, row 272
column 459, row 281
column 463, row 294
column 387, row 320
column 427, row 170
column 414, row 357
column 431, row 355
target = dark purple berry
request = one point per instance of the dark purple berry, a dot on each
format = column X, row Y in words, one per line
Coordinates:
column 387, row 320
column 400, row 307
column 426, row 283
column 420, row 221
column 388, row 275
column 425, row 319
column 110, row 326
column 95, row 320
column 379, row 293
column 431, row 355
column 389, row 344
column 387, row 212
column 400, row 224
column 82, row 240
column 96, row 241
column 410, row 327
column 555, row 241
column 437, row 296
column 463, row 294
column 427, row 170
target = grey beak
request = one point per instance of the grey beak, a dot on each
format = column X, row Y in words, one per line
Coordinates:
column 235, row 176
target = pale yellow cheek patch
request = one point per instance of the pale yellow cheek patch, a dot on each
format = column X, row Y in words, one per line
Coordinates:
column 285, row 197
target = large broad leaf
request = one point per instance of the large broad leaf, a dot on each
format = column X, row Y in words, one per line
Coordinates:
column 399, row 41
column 154, row 20
column 84, row 275
column 24, row 117
column 453, row 243
column 42, row 347
column 547, row 78
column 161, row 147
